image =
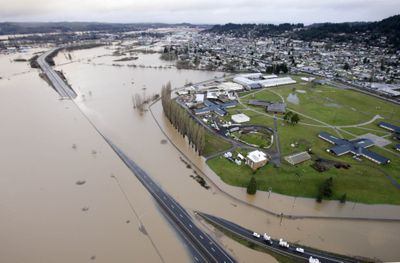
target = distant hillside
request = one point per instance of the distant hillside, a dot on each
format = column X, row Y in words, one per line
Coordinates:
column 256, row 30
column 389, row 27
column 7, row 28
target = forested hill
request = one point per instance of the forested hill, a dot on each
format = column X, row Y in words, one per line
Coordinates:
column 339, row 32
column 253, row 30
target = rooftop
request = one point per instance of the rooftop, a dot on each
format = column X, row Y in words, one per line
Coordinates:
column 257, row 156
column 357, row 147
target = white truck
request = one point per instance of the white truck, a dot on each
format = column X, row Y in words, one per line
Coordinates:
column 283, row 243
column 267, row 239
column 313, row 260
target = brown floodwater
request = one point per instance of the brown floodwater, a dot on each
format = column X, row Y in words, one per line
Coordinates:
column 64, row 194
column 105, row 96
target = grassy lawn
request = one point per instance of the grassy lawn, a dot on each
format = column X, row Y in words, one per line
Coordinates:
column 364, row 182
column 215, row 144
column 336, row 106
column 361, row 183
column 259, row 139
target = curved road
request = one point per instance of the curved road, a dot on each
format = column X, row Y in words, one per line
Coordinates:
column 291, row 251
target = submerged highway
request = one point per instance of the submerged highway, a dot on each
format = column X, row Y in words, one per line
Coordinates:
column 204, row 248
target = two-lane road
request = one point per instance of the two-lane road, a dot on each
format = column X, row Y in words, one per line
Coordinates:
column 59, row 85
column 291, row 251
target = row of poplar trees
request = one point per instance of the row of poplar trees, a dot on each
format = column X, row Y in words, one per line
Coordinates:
column 182, row 121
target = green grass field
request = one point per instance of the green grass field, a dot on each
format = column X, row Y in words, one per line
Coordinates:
column 364, row 182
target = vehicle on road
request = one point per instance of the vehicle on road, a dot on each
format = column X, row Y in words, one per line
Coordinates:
column 313, row 260
column 267, row 239
column 300, row 250
column 255, row 234
column 283, row 243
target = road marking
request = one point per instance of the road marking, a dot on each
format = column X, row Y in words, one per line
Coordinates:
column 201, row 236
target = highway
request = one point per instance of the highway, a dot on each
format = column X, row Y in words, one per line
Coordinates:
column 203, row 247
column 208, row 250
column 59, row 85
column 291, row 251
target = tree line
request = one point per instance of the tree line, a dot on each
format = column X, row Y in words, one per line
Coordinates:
column 182, row 121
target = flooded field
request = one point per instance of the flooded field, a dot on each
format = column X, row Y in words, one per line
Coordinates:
column 79, row 203
column 63, row 193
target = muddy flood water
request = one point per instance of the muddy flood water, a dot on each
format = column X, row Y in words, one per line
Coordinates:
column 66, row 197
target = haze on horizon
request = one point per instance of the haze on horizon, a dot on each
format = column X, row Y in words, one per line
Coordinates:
column 198, row 11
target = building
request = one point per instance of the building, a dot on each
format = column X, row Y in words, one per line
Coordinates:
column 247, row 83
column 218, row 108
column 266, row 83
column 230, row 87
column 256, row 81
column 297, row 158
column 357, row 147
column 276, row 107
column 256, row 159
column 390, row 127
column 397, row 147
column 240, row 118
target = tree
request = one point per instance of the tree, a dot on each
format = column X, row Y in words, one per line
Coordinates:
column 294, row 119
column 288, row 116
column 252, row 187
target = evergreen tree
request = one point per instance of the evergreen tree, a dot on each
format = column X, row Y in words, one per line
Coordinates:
column 252, row 186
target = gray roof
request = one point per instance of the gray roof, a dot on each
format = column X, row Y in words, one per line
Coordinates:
column 215, row 107
column 356, row 147
column 277, row 107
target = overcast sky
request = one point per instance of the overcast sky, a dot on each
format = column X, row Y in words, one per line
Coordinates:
column 199, row 11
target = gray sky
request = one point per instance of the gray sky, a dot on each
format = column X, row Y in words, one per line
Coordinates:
column 199, row 11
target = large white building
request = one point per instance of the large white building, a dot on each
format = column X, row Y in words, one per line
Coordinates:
column 249, row 81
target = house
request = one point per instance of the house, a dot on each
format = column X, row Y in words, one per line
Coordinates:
column 256, row 159
column 357, row 147
column 297, row 158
